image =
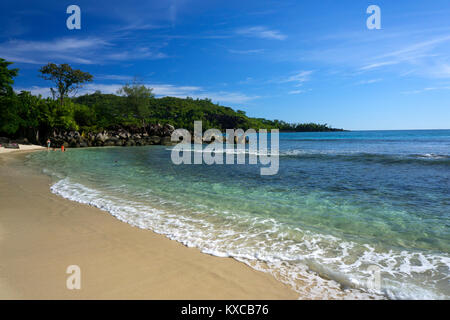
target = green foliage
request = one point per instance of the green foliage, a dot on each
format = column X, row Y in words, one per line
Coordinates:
column 84, row 116
column 63, row 117
column 65, row 78
column 25, row 114
column 10, row 120
column 6, row 77
column 181, row 113
column 108, row 108
column 303, row 127
column 137, row 102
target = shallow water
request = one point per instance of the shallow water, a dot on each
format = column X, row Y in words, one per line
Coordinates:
column 344, row 207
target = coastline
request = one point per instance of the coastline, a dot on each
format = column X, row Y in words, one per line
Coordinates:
column 41, row 234
column 22, row 148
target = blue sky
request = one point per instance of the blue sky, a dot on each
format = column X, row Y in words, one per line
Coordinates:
column 298, row 61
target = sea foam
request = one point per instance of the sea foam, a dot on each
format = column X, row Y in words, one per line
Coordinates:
column 316, row 266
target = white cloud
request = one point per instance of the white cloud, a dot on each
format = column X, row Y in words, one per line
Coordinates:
column 378, row 65
column 160, row 90
column 89, row 50
column 440, row 70
column 426, row 90
column 298, row 78
column 68, row 49
column 261, row 32
column 370, row 81
column 227, row 97
column 417, row 50
column 296, row 91
column 136, row 26
column 36, row 90
column 115, row 77
column 423, row 54
column 246, row 51
column 174, row 91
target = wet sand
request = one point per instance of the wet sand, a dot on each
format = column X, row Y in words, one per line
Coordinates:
column 42, row 234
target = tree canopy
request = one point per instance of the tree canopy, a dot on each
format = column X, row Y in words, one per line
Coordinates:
column 137, row 100
column 6, row 77
column 25, row 115
column 66, row 79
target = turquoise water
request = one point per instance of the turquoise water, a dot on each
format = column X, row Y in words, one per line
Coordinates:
column 344, row 208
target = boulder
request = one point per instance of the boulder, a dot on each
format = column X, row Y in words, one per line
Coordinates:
column 11, row 146
column 136, row 136
column 166, row 141
column 154, row 129
column 134, row 129
column 4, row 140
column 167, row 130
column 154, row 140
column 20, row 141
column 124, row 135
column 110, row 143
column 73, row 143
column 101, row 137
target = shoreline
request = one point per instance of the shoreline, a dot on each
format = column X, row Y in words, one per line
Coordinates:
column 22, row 148
column 41, row 234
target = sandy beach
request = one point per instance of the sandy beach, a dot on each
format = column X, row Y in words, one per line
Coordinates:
column 42, row 234
column 22, row 148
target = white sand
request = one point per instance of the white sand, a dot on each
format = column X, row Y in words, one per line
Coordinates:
column 42, row 234
column 22, row 147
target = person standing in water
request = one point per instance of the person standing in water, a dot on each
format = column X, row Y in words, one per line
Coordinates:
column 48, row 144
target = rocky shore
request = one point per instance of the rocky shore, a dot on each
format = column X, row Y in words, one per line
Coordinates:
column 152, row 134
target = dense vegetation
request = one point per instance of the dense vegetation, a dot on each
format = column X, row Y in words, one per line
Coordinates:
column 34, row 117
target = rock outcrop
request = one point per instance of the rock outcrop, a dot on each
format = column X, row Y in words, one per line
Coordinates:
column 117, row 136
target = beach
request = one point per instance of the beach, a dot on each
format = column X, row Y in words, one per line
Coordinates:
column 22, row 148
column 344, row 209
column 41, row 234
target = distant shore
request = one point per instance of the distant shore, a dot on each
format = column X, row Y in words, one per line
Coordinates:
column 42, row 234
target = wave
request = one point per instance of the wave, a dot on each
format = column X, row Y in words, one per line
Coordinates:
column 233, row 151
column 313, row 265
column 384, row 158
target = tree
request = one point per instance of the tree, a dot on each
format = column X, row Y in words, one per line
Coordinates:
column 65, row 78
column 137, row 100
column 6, row 77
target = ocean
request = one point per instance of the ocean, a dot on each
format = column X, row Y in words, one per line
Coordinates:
column 350, row 215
